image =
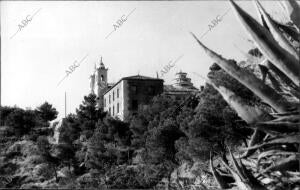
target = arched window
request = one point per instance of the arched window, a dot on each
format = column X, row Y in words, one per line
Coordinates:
column 102, row 78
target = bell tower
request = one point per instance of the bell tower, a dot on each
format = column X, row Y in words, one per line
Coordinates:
column 101, row 83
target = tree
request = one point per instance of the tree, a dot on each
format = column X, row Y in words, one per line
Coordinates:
column 70, row 129
column 97, row 156
column 138, row 127
column 213, row 123
column 88, row 114
column 22, row 121
column 255, row 52
column 160, row 142
column 45, row 151
column 65, row 153
column 88, row 109
column 156, row 128
column 160, row 108
column 5, row 111
column 46, row 112
column 118, row 131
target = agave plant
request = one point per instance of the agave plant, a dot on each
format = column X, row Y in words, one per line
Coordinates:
column 271, row 159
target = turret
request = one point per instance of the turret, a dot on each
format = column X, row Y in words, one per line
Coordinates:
column 182, row 80
column 92, row 81
column 101, row 83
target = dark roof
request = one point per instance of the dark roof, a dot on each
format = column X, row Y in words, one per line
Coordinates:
column 180, row 72
column 134, row 77
column 140, row 77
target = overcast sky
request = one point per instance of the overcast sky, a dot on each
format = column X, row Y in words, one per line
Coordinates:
column 35, row 59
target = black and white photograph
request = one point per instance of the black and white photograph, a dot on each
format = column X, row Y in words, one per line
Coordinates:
column 154, row 95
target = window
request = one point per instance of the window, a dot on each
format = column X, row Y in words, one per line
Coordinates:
column 109, row 99
column 104, row 102
column 117, row 93
column 134, row 89
column 151, row 90
column 118, row 107
column 113, row 110
column 113, row 95
column 109, row 111
column 134, row 104
column 102, row 78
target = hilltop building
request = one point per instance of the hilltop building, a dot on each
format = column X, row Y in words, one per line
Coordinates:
column 182, row 86
column 124, row 97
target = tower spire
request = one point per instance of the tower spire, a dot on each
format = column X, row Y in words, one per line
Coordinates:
column 95, row 68
column 101, row 83
column 101, row 63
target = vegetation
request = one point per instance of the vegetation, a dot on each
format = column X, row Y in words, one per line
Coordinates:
column 246, row 111
column 95, row 149
column 271, row 160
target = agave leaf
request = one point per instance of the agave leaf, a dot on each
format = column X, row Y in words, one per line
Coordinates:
column 283, row 123
column 250, row 162
column 288, row 30
column 256, row 137
column 272, row 153
column 268, row 45
column 291, row 31
column 275, row 129
column 288, row 114
column 289, row 163
column 276, row 85
column 252, row 180
column 288, row 118
column 293, row 10
column 266, row 93
column 291, row 139
column 261, row 18
column 283, row 42
column 246, row 177
column 294, row 177
column 238, row 181
column 220, row 180
column 248, row 113
column 264, row 70
column 286, row 80
column 237, row 167
column 295, row 93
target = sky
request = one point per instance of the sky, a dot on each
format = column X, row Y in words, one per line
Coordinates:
column 36, row 55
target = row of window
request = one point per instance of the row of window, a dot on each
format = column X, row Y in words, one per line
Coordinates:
column 109, row 97
column 112, row 111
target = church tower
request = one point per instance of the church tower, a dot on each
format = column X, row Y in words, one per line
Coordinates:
column 92, row 81
column 101, row 83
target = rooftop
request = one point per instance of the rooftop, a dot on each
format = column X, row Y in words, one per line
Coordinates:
column 140, row 77
column 134, row 77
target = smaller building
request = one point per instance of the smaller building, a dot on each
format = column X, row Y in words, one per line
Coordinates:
column 182, row 86
column 125, row 96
